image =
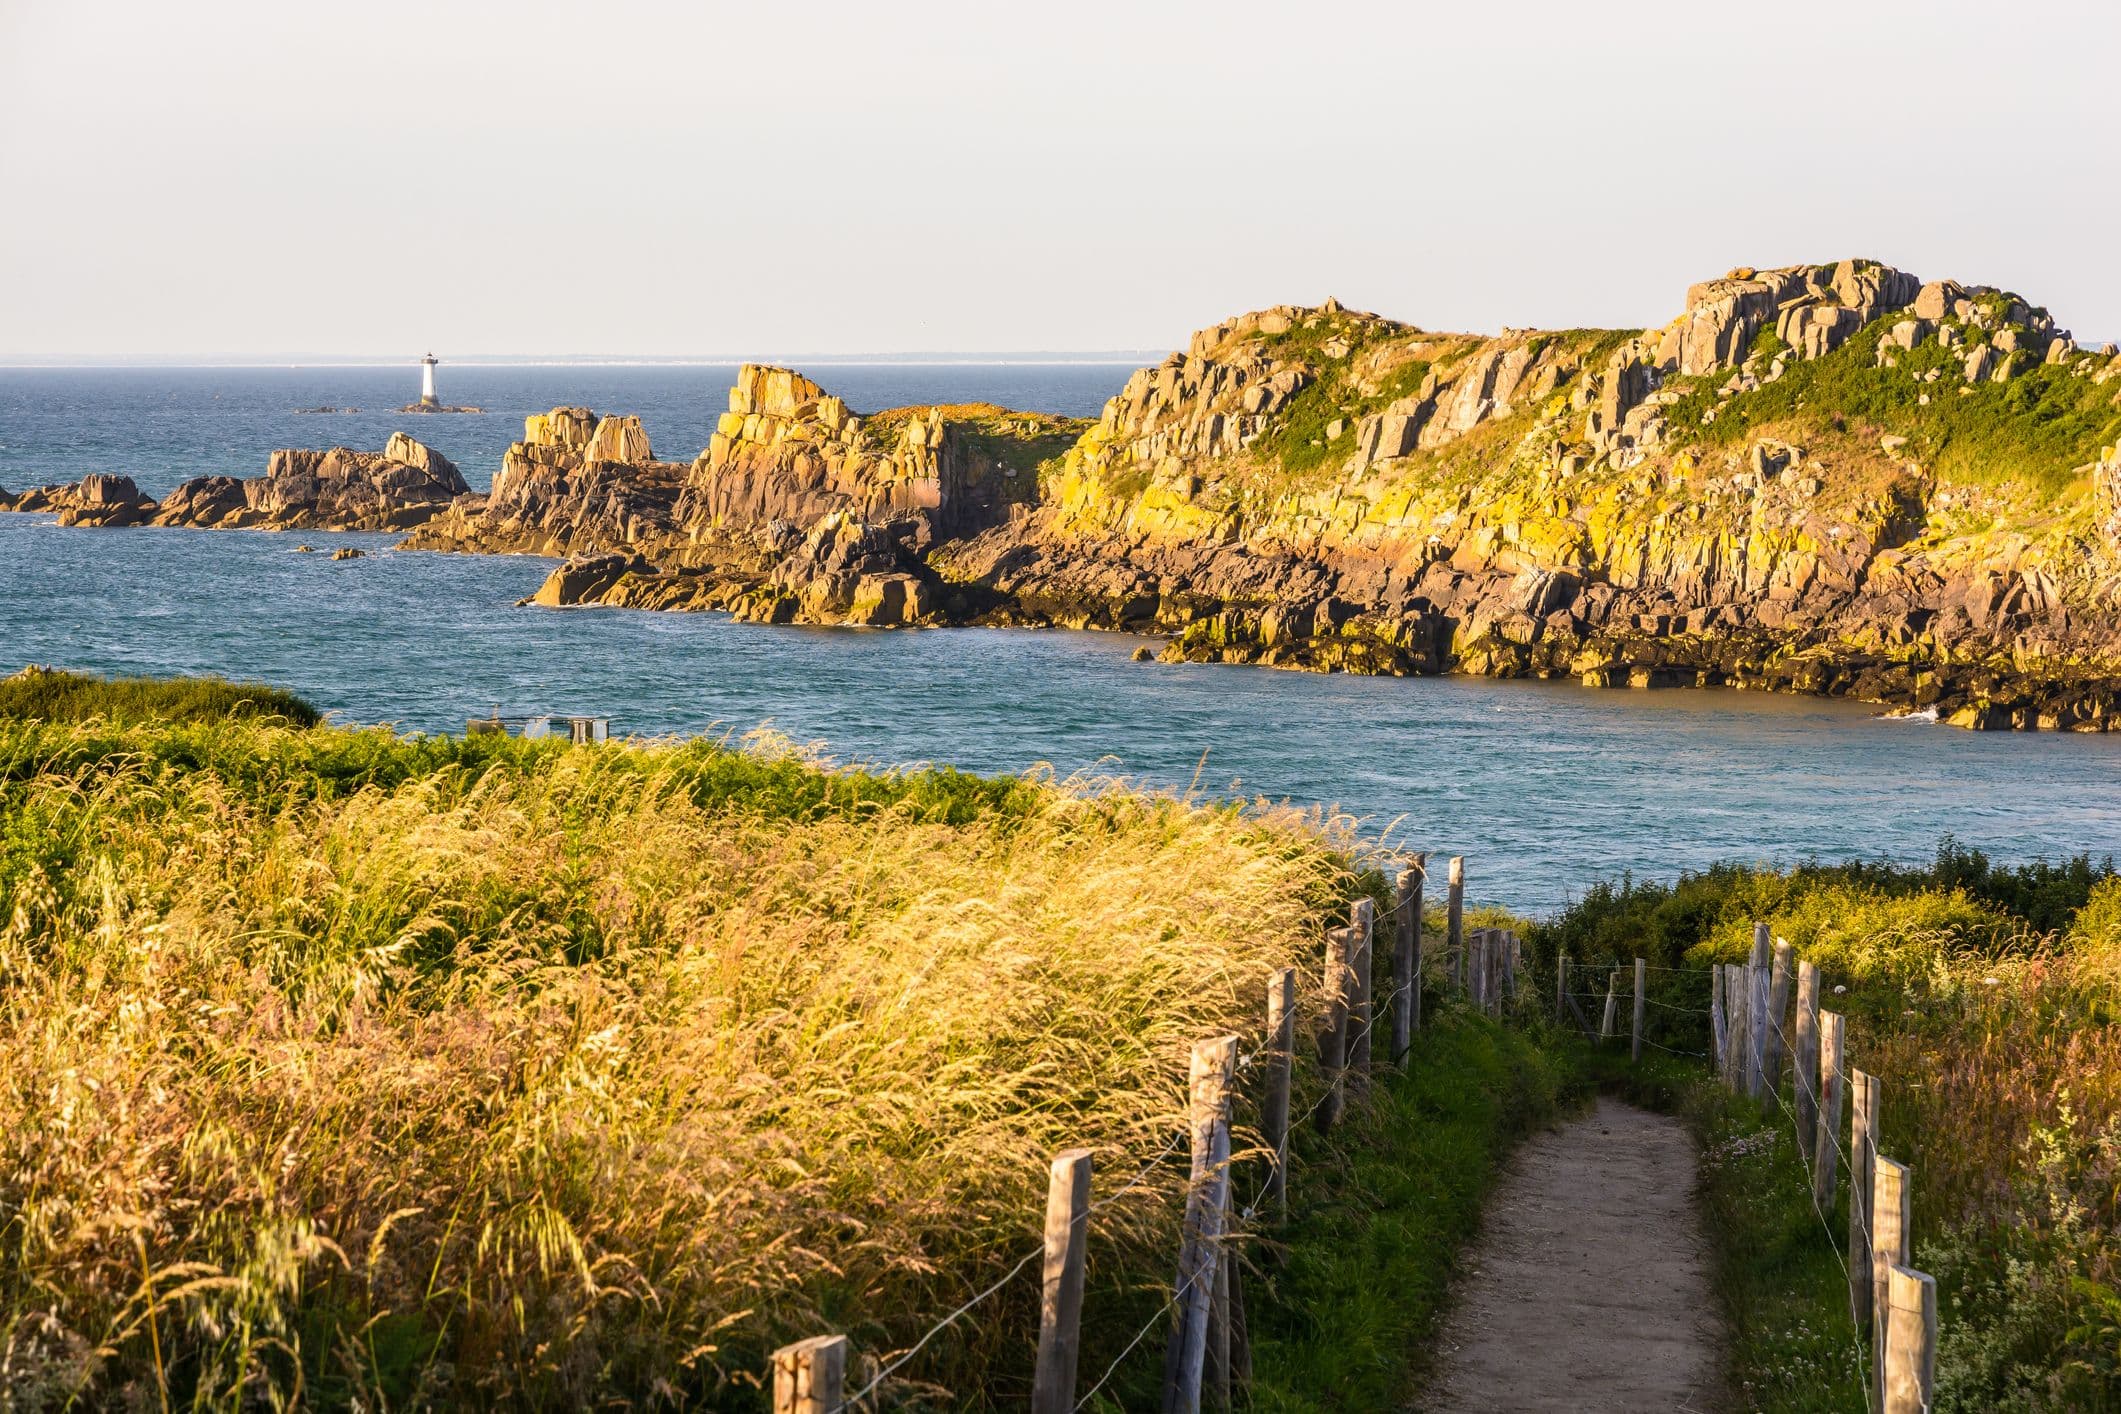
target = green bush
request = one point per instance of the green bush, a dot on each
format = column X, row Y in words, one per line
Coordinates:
column 49, row 695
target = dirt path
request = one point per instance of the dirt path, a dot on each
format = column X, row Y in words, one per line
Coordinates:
column 1588, row 1289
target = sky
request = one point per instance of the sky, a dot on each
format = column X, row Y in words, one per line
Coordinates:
column 209, row 179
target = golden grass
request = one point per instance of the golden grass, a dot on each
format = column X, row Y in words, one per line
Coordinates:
column 544, row 1080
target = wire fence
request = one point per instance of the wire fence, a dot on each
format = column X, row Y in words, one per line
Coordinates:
column 1355, row 1008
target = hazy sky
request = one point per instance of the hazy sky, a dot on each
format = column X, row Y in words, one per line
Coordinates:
column 208, row 178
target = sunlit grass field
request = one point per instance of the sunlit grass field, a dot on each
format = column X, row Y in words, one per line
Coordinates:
column 349, row 1068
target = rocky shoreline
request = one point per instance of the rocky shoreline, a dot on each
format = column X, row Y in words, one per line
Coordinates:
column 1837, row 480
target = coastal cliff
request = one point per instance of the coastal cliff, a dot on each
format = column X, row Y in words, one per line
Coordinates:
column 1833, row 479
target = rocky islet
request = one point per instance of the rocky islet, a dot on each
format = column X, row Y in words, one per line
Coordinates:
column 1778, row 489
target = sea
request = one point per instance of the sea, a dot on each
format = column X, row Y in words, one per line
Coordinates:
column 1546, row 788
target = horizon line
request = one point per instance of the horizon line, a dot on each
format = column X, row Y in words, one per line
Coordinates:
column 945, row 358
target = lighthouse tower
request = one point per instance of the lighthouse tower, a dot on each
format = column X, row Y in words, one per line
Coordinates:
column 427, row 381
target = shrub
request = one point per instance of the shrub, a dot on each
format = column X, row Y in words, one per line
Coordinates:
column 46, row 694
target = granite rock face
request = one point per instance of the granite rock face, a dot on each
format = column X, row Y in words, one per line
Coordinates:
column 577, row 483
column 786, row 450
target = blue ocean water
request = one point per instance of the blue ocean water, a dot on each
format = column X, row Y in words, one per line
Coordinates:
column 1548, row 787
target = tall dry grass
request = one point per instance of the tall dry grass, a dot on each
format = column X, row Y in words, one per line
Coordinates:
column 503, row 1075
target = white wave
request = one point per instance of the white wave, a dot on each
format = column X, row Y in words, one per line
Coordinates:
column 1926, row 714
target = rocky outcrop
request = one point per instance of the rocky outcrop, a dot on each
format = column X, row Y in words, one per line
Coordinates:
column 95, row 500
column 1598, row 507
column 404, row 485
column 396, row 489
column 577, row 483
column 786, row 450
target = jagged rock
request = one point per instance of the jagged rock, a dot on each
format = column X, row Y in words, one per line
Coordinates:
column 787, row 450
column 570, row 486
column 398, row 488
column 97, row 499
column 586, row 578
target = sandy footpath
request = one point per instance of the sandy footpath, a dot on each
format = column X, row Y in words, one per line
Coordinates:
column 1588, row 1288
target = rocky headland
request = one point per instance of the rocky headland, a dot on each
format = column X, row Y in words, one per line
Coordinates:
column 1837, row 479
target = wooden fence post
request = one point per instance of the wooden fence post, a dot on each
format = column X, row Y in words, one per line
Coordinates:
column 1455, row 923
column 1561, row 987
column 1060, row 1307
column 1911, row 1342
column 1890, row 1202
column 1475, row 952
column 810, row 1376
column 1717, row 1030
column 1274, row 1110
column 1778, row 1010
column 1612, row 1005
column 1362, row 916
column 1213, row 1067
column 1641, row 974
column 1333, row 1041
column 1826, row 1142
column 1738, row 1001
column 1863, row 1156
column 1805, row 1066
column 1406, row 964
column 1756, row 1028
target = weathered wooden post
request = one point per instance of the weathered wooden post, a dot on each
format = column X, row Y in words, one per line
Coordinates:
column 810, row 1376
column 1738, row 997
column 1863, row 1158
column 1333, row 1041
column 1213, row 1066
column 1641, row 975
column 1778, row 1010
column 1406, row 963
column 1716, row 1026
column 1890, row 1203
column 1281, row 1057
column 1806, row 1063
column 1826, row 1142
column 1060, row 1307
column 1612, row 1005
column 1476, row 953
column 1455, row 923
column 1561, row 987
column 1362, row 917
column 1911, row 1342
column 1756, row 1031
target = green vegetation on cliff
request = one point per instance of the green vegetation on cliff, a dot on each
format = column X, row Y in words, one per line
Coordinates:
column 2038, row 428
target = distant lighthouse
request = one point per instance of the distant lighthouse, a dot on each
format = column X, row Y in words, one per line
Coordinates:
column 427, row 381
